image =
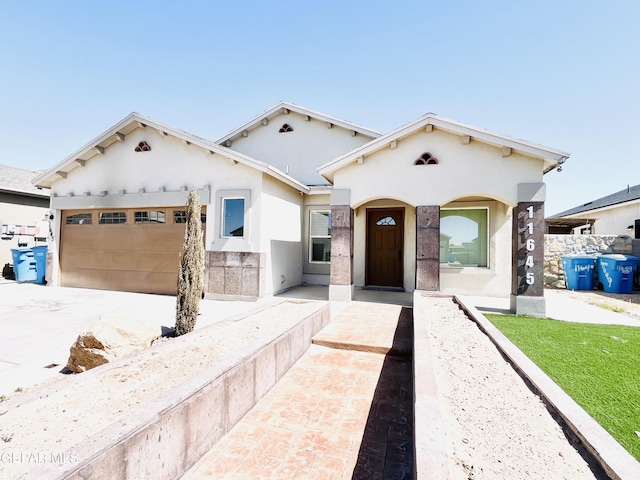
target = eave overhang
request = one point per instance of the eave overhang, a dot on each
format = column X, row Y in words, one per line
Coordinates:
column 118, row 133
column 551, row 158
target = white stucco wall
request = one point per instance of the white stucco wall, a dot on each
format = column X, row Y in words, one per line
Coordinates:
column 280, row 228
column 301, row 152
column 463, row 171
column 613, row 220
column 170, row 165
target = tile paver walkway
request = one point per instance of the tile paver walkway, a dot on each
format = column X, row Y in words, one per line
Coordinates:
column 341, row 412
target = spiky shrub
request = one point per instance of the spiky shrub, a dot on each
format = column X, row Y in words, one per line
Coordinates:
column 191, row 275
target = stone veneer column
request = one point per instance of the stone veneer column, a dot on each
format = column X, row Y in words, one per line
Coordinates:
column 341, row 278
column 428, row 248
column 527, row 272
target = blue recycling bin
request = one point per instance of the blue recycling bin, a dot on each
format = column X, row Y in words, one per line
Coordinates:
column 40, row 256
column 615, row 272
column 24, row 264
column 578, row 271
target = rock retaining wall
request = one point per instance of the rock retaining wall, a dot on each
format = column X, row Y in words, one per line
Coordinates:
column 557, row 246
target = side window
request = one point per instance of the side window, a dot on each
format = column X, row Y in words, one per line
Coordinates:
column 320, row 236
column 233, row 217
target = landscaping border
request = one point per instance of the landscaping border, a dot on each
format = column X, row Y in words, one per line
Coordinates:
column 430, row 445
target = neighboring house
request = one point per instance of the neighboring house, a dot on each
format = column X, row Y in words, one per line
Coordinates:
column 22, row 206
column 294, row 196
column 615, row 214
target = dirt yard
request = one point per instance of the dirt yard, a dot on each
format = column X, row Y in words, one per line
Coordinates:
column 496, row 427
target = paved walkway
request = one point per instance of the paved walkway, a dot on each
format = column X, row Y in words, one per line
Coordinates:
column 345, row 410
column 558, row 307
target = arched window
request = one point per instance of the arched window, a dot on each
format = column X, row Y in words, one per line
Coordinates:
column 143, row 147
column 426, row 159
column 386, row 221
column 285, row 128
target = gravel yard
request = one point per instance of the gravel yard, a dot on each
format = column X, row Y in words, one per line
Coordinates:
column 496, row 427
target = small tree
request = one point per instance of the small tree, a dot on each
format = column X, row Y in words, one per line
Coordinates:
column 191, row 275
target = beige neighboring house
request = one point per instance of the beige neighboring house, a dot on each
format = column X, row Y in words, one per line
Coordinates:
column 294, row 196
column 22, row 206
column 615, row 214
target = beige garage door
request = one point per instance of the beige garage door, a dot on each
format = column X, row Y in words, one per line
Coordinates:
column 132, row 250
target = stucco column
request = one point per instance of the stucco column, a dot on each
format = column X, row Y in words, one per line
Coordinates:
column 527, row 277
column 341, row 278
column 428, row 248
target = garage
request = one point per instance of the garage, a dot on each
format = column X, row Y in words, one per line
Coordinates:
column 126, row 249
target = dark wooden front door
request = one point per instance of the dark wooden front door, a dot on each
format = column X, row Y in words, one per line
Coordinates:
column 385, row 243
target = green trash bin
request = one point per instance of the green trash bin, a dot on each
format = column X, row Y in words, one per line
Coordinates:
column 615, row 272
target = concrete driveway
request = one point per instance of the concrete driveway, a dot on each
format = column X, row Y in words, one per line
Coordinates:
column 40, row 323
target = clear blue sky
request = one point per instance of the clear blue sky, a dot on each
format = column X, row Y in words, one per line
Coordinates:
column 561, row 73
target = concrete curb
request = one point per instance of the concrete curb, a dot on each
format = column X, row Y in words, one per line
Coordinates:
column 431, row 451
column 167, row 436
column 614, row 459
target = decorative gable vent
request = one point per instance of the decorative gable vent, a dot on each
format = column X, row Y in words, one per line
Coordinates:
column 143, row 147
column 426, row 159
column 285, row 128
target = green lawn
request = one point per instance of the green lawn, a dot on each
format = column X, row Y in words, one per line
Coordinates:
column 597, row 365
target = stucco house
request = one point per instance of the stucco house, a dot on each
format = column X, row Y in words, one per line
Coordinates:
column 22, row 207
column 294, row 196
column 615, row 214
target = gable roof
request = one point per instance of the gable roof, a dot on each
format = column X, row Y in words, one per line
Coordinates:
column 552, row 158
column 119, row 131
column 285, row 107
column 629, row 194
column 18, row 180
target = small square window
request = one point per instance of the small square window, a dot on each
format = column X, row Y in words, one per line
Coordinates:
column 179, row 216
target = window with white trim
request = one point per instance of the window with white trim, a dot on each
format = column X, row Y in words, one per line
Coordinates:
column 464, row 234
column 320, row 236
column 233, row 217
